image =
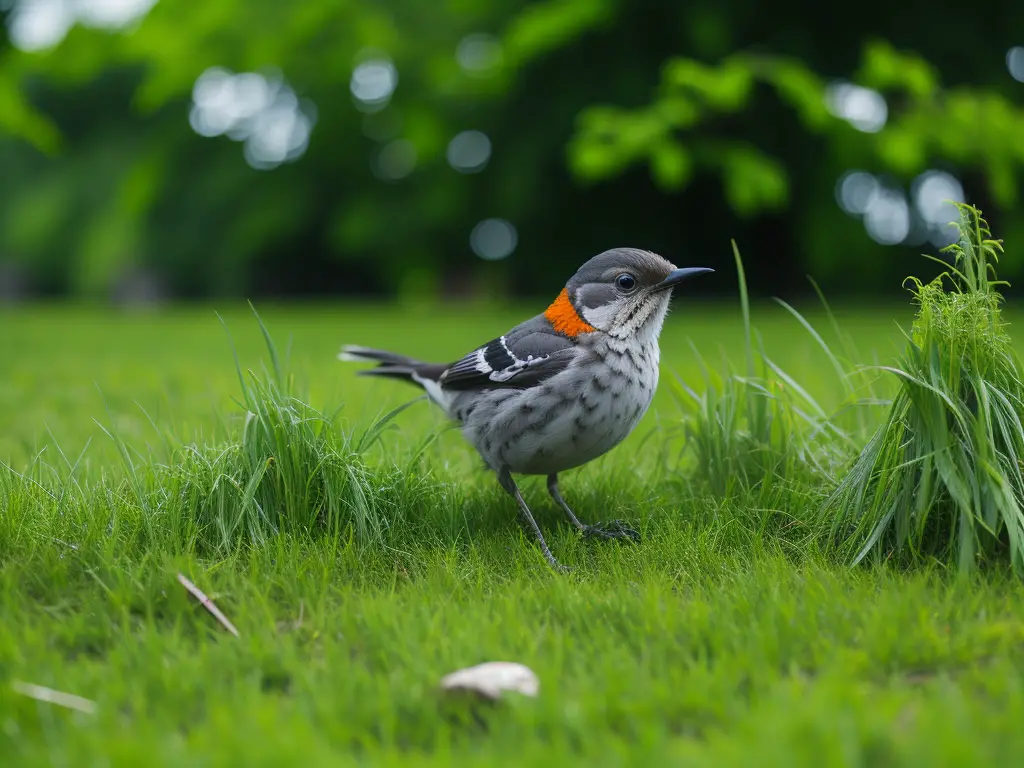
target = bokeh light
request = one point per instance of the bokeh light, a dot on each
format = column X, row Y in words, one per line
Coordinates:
column 36, row 25
column 110, row 14
column 373, row 82
column 262, row 111
column 469, row 151
column 395, row 160
column 887, row 218
column 890, row 218
column 933, row 193
column 493, row 239
column 479, row 54
column 854, row 191
column 1015, row 62
column 863, row 108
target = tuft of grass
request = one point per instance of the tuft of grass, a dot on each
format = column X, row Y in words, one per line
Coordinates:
column 941, row 477
column 290, row 468
column 763, row 432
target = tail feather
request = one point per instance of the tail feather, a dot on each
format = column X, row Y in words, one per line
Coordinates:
column 354, row 353
column 394, row 366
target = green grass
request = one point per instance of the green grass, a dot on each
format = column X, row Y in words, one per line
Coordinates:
column 727, row 637
column 941, row 477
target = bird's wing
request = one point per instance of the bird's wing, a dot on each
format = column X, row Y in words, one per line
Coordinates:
column 522, row 358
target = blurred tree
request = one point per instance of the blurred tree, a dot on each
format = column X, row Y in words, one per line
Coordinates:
column 145, row 189
column 111, row 175
column 974, row 129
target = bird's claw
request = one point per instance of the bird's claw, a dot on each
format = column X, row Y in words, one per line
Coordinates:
column 613, row 529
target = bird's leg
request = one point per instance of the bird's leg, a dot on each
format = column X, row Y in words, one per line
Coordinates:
column 615, row 529
column 553, row 490
column 505, row 478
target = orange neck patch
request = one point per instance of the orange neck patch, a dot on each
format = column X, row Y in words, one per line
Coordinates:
column 565, row 319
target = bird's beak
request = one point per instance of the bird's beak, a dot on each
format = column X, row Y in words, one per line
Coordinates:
column 677, row 276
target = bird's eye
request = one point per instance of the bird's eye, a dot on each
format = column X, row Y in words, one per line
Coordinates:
column 625, row 282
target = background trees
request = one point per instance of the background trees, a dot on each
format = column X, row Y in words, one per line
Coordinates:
column 389, row 147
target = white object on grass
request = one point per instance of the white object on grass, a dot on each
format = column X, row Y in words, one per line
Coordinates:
column 51, row 696
column 493, row 678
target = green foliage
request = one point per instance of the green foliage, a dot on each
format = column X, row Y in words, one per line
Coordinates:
column 974, row 128
column 942, row 476
column 545, row 26
column 106, row 179
column 17, row 117
column 146, row 191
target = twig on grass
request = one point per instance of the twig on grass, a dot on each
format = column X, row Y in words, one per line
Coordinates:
column 51, row 696
column 208, row 604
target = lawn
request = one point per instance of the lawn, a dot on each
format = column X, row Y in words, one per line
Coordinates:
column 725, row 637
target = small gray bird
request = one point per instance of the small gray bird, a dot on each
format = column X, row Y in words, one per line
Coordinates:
column 563, row 387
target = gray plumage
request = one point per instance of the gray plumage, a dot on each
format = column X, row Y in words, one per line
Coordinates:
column 565, row 386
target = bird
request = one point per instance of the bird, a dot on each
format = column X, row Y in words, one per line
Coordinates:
column 561, row 388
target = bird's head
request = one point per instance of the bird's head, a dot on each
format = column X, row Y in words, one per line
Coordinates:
column 624, row 292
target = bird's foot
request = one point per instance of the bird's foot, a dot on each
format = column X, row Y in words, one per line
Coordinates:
column 613, row 529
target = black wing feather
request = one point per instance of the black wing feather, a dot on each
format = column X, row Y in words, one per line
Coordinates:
column 522, row 358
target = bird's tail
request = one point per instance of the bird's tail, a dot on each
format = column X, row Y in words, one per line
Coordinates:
column 394, row 366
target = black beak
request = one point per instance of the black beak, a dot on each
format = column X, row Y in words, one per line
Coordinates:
column 677, row 276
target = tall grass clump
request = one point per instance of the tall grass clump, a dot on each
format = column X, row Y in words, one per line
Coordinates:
column 941, row 477
column 291, row 470
column 761, row 432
